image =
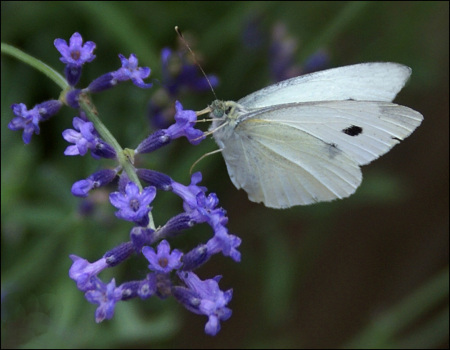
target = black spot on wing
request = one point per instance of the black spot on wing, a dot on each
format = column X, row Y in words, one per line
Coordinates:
column 396, row 138
column 353, row 130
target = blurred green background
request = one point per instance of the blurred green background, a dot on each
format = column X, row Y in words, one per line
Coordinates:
column 368, row 271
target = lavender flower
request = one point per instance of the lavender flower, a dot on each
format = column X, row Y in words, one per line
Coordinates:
column 204, row 297
column 29, row 120
column 82, row 138
column 162, row 261
column 132, row 204
column 26, row 120
column 225, row 243
column 82, row 271
column 189, row 193
column 74, row 56
column 184, row 126
column 106, row 296
column 85, row 137
column 184, row 122
column 131, row 71
column 128, row 71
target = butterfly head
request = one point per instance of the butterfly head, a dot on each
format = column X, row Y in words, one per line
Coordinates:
column 225, row 111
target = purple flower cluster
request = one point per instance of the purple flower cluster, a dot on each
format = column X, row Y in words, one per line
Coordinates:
column 170, row 271
column 201, row 297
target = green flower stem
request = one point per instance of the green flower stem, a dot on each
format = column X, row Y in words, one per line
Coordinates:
column 124, row 157
column 92, row 115
column 37, row 64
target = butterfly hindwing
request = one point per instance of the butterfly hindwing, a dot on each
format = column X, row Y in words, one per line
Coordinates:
column 283, row 166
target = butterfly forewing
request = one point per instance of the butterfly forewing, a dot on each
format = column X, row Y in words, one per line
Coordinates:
column 376, row 81
column 363, row 130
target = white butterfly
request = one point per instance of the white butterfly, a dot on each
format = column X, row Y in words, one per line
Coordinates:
column 302, row 140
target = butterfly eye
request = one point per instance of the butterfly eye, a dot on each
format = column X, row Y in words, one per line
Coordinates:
column 218, row 109
column 218, row 113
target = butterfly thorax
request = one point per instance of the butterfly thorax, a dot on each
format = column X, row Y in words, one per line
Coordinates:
column 225, row 115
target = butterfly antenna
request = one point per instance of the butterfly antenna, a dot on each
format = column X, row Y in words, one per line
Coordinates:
column 202, row 157
column 195, row 59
